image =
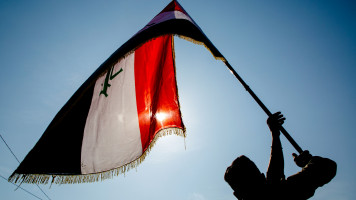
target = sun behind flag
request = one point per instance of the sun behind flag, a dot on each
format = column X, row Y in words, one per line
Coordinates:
column 114, row 118
column 134, row 102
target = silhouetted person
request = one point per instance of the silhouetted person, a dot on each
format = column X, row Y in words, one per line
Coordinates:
column 249, row 183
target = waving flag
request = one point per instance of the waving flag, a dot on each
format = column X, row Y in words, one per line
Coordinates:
column 112, row 120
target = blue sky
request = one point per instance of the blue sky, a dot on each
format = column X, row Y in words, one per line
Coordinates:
column 297, row 56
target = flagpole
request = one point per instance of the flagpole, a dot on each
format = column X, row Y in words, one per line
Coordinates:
column 205, row 40
column 264, row 108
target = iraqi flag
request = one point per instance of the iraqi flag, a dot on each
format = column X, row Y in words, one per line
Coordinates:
column 112, row 120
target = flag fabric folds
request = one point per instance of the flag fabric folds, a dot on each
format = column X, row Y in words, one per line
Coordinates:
column 135, row 100
column 114, row 118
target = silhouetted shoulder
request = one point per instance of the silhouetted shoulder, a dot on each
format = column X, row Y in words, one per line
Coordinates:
column 318, row 172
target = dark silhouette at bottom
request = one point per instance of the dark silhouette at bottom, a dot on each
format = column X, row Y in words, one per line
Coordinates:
column 249, row 183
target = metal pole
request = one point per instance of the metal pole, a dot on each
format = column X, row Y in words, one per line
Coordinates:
column 264, row 108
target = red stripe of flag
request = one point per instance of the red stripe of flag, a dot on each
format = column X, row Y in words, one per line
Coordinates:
column 156, row 91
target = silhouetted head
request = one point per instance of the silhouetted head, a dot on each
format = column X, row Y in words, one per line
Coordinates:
column 245, row 179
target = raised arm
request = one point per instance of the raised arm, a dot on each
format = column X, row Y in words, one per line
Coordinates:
column 275, row 171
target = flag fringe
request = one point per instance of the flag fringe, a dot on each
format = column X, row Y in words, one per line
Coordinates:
column 89, row 178
column 200, row 43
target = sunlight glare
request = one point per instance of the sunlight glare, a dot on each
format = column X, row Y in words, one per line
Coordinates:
column 160, row 116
